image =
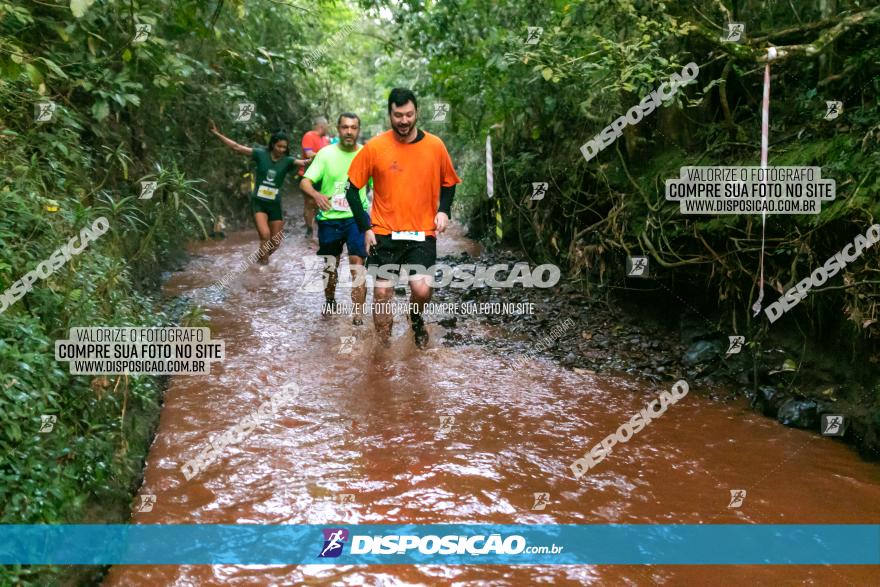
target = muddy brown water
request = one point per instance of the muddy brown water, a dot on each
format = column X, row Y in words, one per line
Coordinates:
column 367, row 424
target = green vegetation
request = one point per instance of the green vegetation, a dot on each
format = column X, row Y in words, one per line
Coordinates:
column 129, row 112
column 126, row 112
column 540, row 102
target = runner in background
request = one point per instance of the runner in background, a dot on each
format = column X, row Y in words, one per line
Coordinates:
column 414, row 184
column 312, row 142
column 273, row 164
column 336, row 225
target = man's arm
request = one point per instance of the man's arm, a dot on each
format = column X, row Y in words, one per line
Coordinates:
column 448, row 179
column 315, row 173
column 309, row 189
column 359, row 173
column 444, row 211
column 353, row 197
column 446, row 196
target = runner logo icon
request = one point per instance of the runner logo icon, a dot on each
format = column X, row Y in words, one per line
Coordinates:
column 534, row 35
column 47, row 423
column 833, row 109
column 736, row 344
column 735, row 32
column 539, row 189
column 541, row 500
column 637, row 267
column 334, row 541
column 44, row 111
column 737, row 497
column 833, row 425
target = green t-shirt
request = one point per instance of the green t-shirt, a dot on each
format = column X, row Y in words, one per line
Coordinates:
column 330, row 167
column 270, row 175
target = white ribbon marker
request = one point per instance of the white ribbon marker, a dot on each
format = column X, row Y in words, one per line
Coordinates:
column 490, row 179
column 765, row 140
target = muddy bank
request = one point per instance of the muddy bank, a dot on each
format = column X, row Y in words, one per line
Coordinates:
column 653, row 334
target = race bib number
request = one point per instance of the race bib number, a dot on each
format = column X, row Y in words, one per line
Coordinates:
column 407, row 235
column 267, row 193
column 339, row 202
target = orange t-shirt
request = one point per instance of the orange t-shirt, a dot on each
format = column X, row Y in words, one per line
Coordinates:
column 406, row 181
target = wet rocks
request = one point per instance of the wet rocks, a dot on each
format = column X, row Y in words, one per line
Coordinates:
column 700, row 352
column 769, row 400
column 639, row 337
column 798, row 413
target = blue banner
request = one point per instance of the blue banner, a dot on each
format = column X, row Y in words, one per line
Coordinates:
column 640, row 544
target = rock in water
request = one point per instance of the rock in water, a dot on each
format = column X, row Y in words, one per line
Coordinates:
column 448, row 322
column 701, row 351
column 769, row 399
column 798, row 413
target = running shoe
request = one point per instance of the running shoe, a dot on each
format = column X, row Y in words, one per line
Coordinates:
column 421, row 333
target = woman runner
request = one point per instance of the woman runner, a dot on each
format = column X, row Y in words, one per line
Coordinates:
column 273, row 165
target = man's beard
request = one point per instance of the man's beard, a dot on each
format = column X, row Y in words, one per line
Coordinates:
column 405, row 133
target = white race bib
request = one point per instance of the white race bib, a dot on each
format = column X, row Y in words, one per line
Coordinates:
column 339, row 202
column 407, row 235
column 267, row 193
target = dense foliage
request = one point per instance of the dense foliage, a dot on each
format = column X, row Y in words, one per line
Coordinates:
column 540, row 102
column 127, row 111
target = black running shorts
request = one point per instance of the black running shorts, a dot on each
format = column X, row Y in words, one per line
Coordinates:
column 393, row 253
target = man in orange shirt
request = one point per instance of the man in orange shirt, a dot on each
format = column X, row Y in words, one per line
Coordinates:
column 312, row 142
column 414, row 184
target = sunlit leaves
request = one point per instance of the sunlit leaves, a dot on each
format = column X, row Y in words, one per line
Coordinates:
column 79, row 7
column 54, row 68
column 34, row 74
column 100, row 110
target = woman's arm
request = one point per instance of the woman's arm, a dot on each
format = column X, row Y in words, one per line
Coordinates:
column 229, row 142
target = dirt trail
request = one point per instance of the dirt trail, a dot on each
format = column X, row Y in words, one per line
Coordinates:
column 367, row 424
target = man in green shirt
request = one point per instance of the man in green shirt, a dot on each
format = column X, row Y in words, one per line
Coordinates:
column 336, row 224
